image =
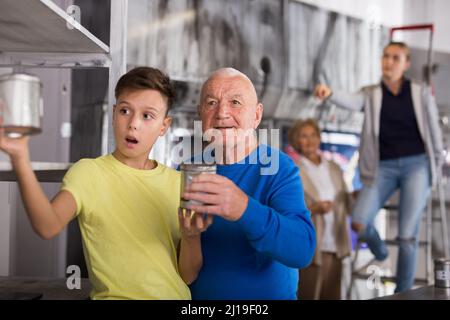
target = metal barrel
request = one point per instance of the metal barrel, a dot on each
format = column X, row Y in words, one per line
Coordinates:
column 188, row 172
column 21, row 105
column 442, row 273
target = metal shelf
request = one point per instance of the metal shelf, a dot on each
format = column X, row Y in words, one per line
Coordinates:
column 39, row 34
column 393, row 242
column 42, row 26
column 54, row 60
column 365, row 276
column 45, row 171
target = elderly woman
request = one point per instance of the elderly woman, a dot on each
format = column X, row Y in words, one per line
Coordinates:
column 328, row 200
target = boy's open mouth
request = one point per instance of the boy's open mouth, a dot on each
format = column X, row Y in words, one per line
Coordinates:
column 131, row 140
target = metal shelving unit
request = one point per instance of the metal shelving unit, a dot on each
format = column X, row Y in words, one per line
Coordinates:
column 45, row 171
column 39, row 34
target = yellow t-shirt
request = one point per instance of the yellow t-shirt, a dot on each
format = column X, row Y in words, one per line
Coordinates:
column 129, row 225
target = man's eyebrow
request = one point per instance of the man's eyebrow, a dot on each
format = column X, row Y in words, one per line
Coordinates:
column 237, row 96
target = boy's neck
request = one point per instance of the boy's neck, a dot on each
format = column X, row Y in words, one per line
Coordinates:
column 135, row 163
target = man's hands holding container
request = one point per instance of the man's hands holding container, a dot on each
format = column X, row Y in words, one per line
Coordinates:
column 191, row 223
column 217, row 195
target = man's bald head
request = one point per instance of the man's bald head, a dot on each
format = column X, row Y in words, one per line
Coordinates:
column 229, row 103
column 223, row 75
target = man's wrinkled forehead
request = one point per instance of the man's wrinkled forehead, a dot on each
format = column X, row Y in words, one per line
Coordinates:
column 228, row 86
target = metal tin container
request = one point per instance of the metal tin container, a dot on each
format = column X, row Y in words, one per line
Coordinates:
column 188, row 172
column 442, row 273
column 21, row 105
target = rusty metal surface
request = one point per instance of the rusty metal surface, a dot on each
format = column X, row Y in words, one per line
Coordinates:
column 285, row 47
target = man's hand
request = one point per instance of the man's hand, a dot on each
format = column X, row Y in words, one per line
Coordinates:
column 322, row 92
column 193, row 224
column 218, row 195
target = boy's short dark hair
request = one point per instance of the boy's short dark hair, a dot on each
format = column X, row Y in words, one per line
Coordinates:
column 142, row 78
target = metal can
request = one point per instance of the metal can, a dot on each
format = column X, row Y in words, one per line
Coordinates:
column 442, row 273
column 21, row 104
column 188, row 172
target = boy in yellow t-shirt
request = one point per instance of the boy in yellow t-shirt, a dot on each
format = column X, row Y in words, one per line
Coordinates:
column 125, row 203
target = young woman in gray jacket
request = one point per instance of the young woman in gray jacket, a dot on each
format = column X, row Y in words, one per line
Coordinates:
column 401, row 148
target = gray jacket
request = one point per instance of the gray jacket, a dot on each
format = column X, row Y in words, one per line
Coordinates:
column 370, row 99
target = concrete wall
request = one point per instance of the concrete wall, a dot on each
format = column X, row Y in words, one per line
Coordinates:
column 399, row 12
column 22, row 252
column 34, row 256
column 5, row 216
column 387, row 12
column 5, row 223
column 429, row 11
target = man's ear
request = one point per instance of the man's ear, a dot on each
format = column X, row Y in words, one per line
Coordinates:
column 166, row 125
column 258, row 115
column 114, row 112
column 199, row 109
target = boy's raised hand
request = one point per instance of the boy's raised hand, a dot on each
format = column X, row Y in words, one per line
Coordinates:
column 16, row 148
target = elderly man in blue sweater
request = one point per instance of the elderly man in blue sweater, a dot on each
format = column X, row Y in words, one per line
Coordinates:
column 262, row 231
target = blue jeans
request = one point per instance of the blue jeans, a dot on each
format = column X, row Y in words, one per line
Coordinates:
column 412, row 175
